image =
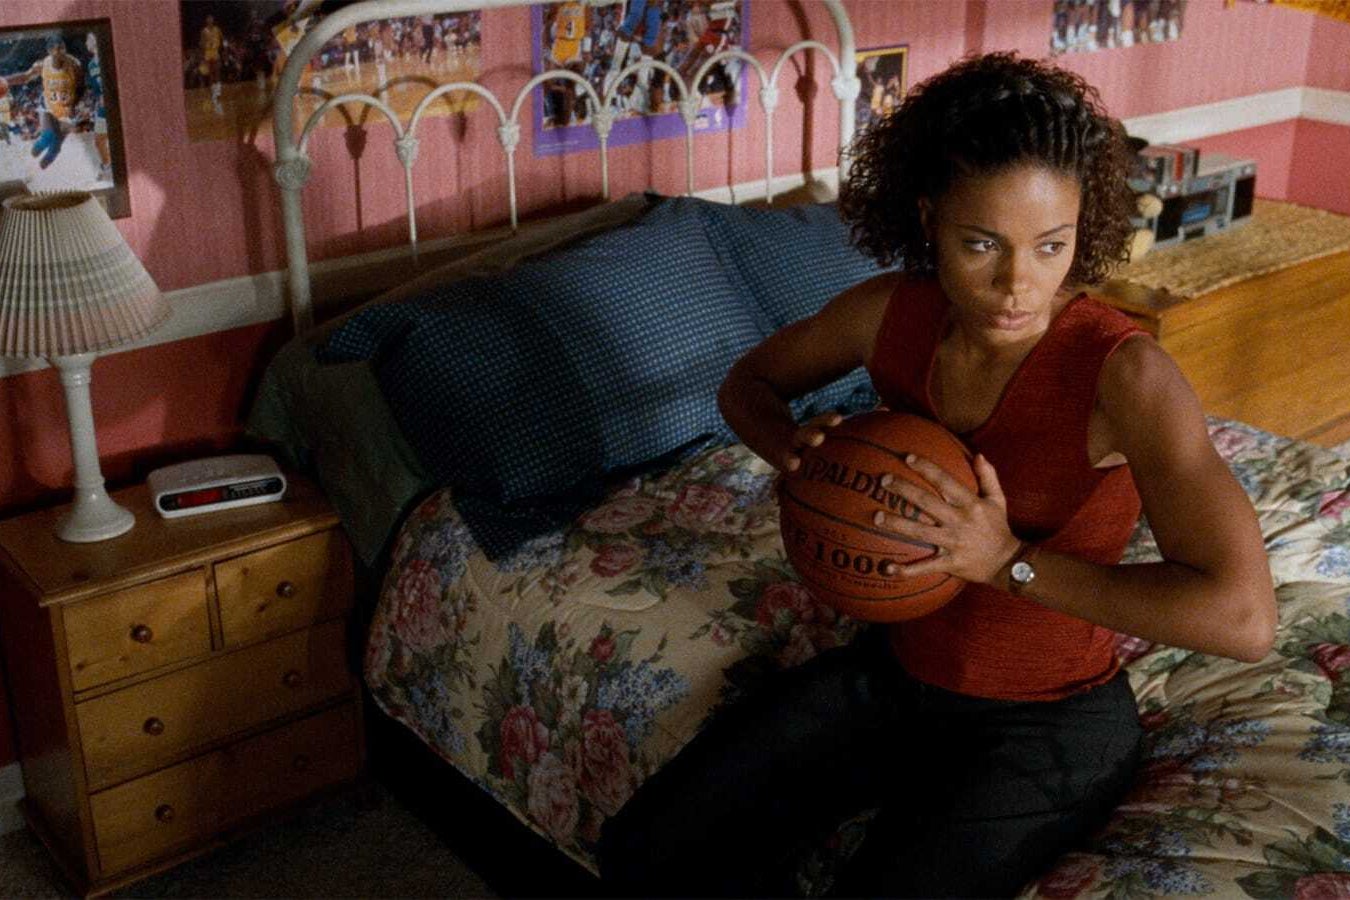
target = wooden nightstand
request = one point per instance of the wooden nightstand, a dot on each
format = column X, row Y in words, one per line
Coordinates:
column 1269, row 351
column 179, row 682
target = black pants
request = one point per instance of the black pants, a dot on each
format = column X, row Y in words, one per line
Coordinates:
column 977, row 796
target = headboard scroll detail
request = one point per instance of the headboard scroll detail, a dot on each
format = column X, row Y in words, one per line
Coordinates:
column 293, row 167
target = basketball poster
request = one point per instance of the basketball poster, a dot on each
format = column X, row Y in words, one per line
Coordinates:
column 1084, row 26
column 60, row 127
column 234, row 52
column 597, row 39
column 882, row 74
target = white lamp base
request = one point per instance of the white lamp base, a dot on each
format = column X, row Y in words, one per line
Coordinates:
column 94, row 517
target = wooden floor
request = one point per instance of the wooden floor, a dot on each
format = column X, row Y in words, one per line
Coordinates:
column 1269, row 351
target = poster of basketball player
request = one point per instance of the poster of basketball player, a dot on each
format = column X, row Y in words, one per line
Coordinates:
column 883, row 73
column 1083, row 26
column 597, row 39
column 60, row 127
column 234, row 51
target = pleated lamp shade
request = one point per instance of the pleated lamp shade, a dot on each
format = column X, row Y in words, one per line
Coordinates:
column 69, row 284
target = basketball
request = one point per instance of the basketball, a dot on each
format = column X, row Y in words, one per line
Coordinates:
column 826, row 509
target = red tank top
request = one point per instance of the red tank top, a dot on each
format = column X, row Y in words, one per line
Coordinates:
column 987, row 642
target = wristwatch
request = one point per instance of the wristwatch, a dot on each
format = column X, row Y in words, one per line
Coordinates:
column 1022, row 572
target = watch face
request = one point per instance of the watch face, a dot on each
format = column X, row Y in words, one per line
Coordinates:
column 1022, row 573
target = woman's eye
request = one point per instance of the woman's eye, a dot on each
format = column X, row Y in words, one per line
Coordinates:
column 1052, row 248
column 980, row 245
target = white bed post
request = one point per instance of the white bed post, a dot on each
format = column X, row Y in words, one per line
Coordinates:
column 768, row 99
column 846, row 84
column 291, row 172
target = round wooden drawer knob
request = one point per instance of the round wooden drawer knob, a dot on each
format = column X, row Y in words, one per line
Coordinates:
column 292, row 679
column 164, row 813
column 142, row 634
column 285, row 589
column 154, row 726
column 301, row 762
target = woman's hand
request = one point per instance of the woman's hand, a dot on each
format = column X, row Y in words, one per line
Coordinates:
column 970, row 530
column 810, row 434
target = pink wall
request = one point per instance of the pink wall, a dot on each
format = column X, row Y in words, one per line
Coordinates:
column 206, row 211
column 1270, row 145
column 1329, row 55
column 1223, row 52
column 176, row 186
column 1322, row 151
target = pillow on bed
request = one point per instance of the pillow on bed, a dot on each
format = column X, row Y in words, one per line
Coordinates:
column 792, row 260
column 530, row 384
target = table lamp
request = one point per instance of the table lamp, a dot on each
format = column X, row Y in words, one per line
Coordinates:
column 69, row 288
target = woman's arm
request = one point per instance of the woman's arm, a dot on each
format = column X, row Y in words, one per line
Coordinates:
column 795, row 360
column 1213, row 587
column 1212, row 591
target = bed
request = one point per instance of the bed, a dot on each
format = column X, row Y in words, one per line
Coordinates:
column 553, row 626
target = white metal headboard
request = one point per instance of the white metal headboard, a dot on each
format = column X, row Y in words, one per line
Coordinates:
column 293, row 164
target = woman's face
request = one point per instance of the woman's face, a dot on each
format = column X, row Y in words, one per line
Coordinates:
column 1005, row 243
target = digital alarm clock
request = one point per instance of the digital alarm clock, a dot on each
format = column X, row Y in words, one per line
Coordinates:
column 220, row 482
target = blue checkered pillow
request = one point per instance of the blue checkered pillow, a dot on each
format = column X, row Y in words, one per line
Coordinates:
column 602, row 356
column 791, row 261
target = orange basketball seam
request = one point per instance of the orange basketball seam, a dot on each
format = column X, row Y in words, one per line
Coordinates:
column 888, row 599
column 890, row 535
column 899, row 454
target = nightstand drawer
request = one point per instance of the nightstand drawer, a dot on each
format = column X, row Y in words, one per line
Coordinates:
column 150, row 816
column 282, row 588
column 137, row 629
column 142, row 819
column 132, row 731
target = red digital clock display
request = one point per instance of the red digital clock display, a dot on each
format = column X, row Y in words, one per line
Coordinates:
column 189, row 499
column 255, row 491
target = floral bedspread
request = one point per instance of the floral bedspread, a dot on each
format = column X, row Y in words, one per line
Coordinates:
column 560, row 678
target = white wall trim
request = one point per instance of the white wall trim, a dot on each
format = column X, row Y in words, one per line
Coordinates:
column 1325, row 105
column 1194, row 122
column 254, row 299
column 11, row 792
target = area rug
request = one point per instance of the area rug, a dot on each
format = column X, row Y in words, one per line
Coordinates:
column 1277, row 235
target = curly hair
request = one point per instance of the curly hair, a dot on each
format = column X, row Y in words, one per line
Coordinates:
column 985, row 115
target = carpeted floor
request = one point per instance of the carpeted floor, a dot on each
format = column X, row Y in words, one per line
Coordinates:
column 357, row 843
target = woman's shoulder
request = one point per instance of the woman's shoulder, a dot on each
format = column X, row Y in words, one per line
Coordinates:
column 868, row 304
column 1094, row 307
column 1137, row 375
column 879, row 291
column 1090, row 329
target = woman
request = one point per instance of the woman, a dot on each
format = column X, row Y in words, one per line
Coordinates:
column 998, row 730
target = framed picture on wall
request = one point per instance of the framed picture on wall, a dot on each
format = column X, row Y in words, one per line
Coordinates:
column 60, row 121
column 234, row 52
column 598, row 39
column 883, row 72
